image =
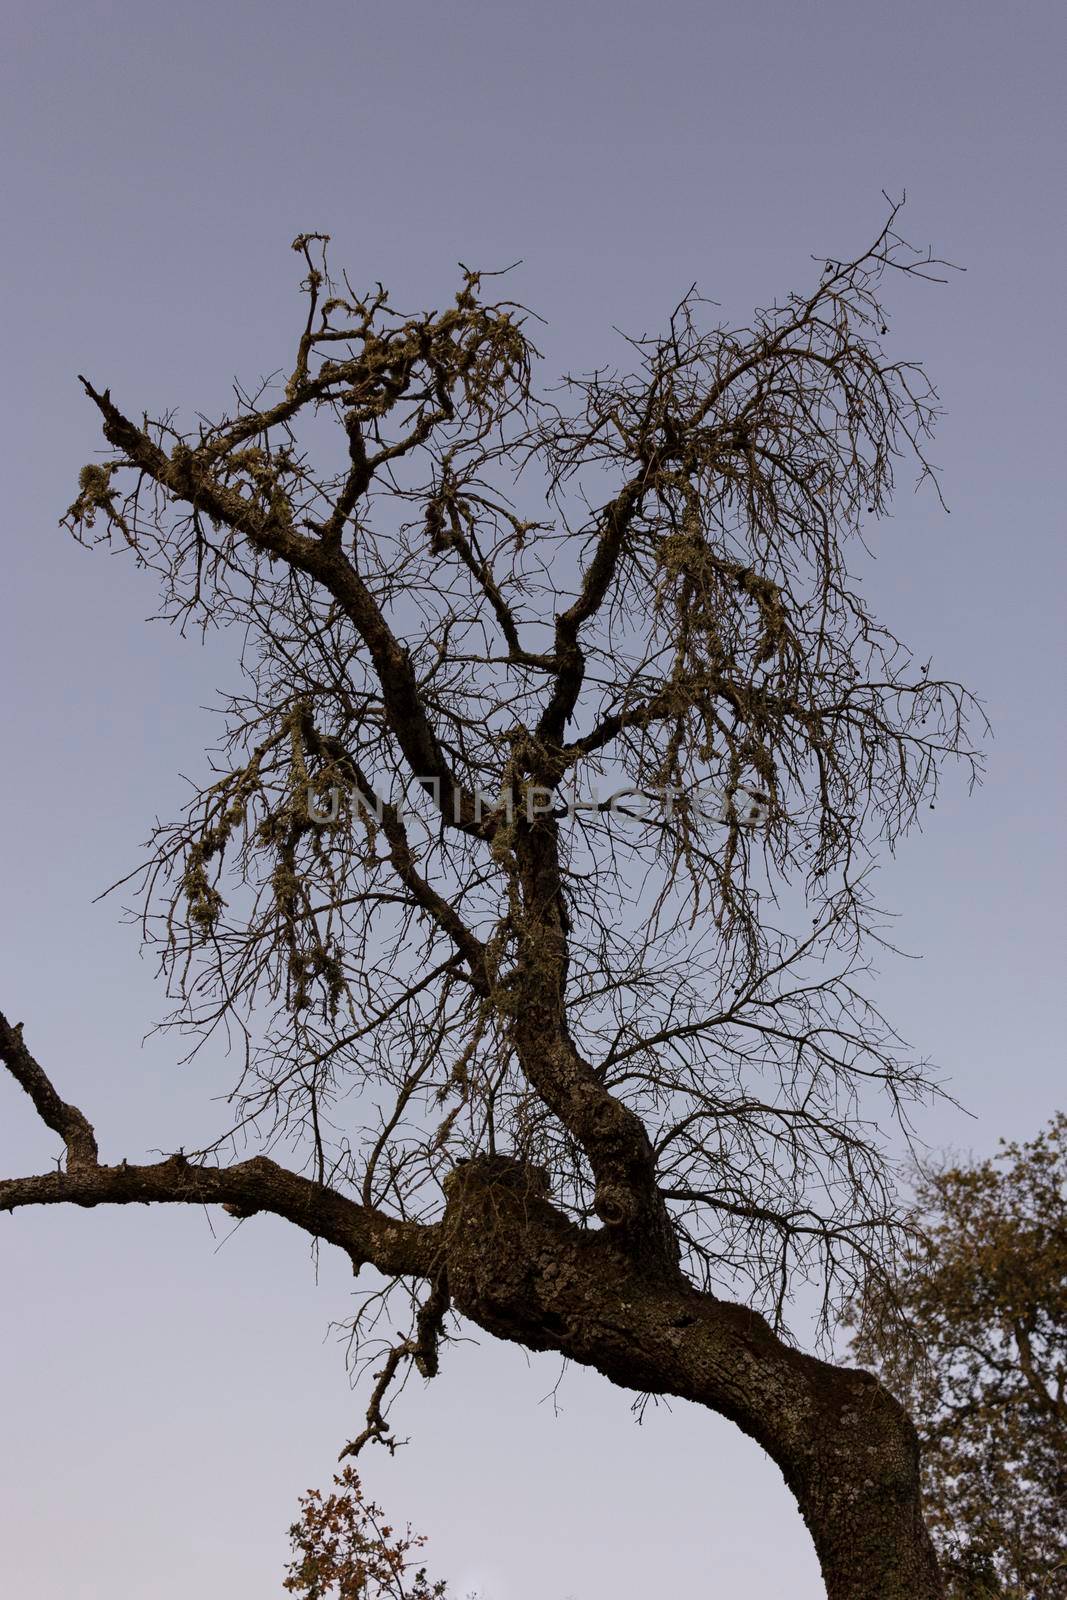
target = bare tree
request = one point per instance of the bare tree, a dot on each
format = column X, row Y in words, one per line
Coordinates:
column 524, row 1007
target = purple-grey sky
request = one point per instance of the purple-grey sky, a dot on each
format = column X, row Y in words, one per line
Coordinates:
column 164, row 1400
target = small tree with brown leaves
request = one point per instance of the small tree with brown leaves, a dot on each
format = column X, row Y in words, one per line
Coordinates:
column 343, row 1549
column 534, row 872
column 980, row 1359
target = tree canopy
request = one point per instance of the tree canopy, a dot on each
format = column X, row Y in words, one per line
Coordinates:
column 344, row 1549
column 972, row 1336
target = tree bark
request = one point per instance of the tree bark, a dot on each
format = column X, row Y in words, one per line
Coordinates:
column 506, row 1258
column 522, row 1271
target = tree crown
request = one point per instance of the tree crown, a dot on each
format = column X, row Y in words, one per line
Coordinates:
column 980, row 1359
column 515, row 821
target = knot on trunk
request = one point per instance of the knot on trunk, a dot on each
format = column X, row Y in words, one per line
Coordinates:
column 506, row 1246
column 615, row 1205
column 498, row 1172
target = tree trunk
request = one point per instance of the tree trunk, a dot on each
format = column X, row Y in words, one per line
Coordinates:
column 860, row 1495
column 523, row 1272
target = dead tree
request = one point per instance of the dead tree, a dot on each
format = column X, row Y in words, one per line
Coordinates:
column 532, row 874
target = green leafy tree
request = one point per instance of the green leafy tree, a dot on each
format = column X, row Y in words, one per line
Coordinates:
column 980, row 1360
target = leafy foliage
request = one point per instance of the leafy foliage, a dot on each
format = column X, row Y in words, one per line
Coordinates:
column 345, row 1550
column 981, row 1361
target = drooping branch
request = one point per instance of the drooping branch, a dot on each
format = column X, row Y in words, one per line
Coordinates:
column 73, row 1128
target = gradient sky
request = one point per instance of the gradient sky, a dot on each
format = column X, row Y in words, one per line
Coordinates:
column 164, row 1399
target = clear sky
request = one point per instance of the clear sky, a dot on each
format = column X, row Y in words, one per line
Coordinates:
column 165, row 1400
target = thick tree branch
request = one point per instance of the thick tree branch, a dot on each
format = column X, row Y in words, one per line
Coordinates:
column 186, row 475
column 614, row 524
column 846, row 1448
column 73, row 1128
column 366, row 1235
column 368, row 1238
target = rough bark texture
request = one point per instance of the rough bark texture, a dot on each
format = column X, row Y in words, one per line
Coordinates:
column 513, row 1264
column 847, row 1450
